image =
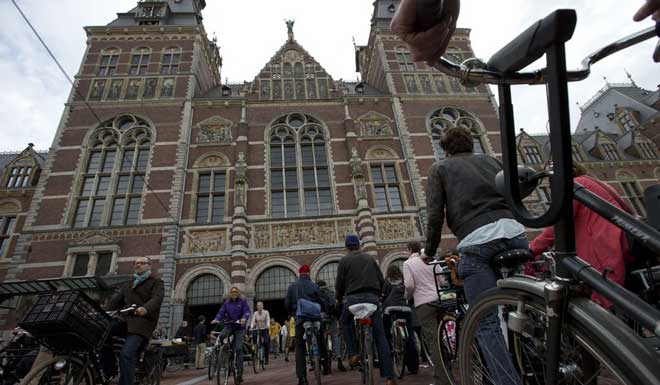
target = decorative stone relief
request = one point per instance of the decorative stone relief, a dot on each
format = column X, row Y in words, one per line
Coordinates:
column 374, row 124
column 395, row 228
column 380, row 153
column 241, row 180
column 215, row 129
column 212, row 161
column 9, row 207
column 292, row 55
column 96, row 238
column 203, row 242
column 358, row 176
column 301, row 233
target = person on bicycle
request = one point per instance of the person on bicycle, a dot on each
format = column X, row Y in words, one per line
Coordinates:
column 260, row 327
column 303, row 288
column 599, row 242
column 234, row 313
column 394, row 295
column 146, row 292
column 359, row 279
column 328, row 298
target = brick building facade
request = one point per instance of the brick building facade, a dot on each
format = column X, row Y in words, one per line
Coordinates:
column 227, row 185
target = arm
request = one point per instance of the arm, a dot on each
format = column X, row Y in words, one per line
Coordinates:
column 435, row 208
column 252, row 322
column 246, row 309
column 340, row 285
column 156, row 299
column 116, row 302
column 221, row 314
column 408, row 281
column 267, row 320
column 289, row 300
column 543, row 241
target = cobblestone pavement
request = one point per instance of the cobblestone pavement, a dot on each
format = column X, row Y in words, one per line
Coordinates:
column 280, row 372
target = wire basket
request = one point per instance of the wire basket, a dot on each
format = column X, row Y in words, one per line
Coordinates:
column 67, row 321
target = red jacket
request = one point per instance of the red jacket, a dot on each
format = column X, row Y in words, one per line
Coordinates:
column 598, row 242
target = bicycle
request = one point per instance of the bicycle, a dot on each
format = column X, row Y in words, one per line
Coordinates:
column 327, row 340
column 362, row 317
column 214, row 356
column 311, row 337
column 399, row 333
column 259, row 343
column 16, row 357
column 555, row 333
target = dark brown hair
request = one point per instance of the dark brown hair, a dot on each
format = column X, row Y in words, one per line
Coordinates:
column 579, row 169
column 394, row 273
column 456, row 140
column 414, row 246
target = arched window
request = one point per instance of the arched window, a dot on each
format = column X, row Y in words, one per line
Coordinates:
column 298, row 70
column 206, row 289
column 299, row 176
column 449, row 117
column 328, row 273
column 113, row 179
column 273, row 283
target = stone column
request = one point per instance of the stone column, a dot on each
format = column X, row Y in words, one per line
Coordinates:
column 239, row 229
column 93, row 261
column 366, row 229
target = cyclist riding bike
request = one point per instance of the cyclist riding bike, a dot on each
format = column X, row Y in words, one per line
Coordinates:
column 360, row 279
column 303, row 290
column 146, row 292
column 234, row 313
column 260, row 326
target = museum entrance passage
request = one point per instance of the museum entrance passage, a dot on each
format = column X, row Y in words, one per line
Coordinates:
column 271, row 287
column 204, row 297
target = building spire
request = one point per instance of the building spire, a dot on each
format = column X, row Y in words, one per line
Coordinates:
column 630, row 77
column 289, row 27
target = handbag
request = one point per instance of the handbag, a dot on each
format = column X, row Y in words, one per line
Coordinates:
column 306, row 309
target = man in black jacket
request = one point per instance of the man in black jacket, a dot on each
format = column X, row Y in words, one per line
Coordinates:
column 306, row 289
column 462, row 189
column 146, row 292
column 359, row 279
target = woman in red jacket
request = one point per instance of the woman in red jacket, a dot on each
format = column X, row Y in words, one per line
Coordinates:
column 598, row 242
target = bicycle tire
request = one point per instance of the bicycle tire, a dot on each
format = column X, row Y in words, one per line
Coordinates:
column 329, row 352
column 35, row 376
column 313, row 351
column 622, row 356
column 398, row 351
column 253, row 359
column 152, row 361
column 368, row 362
column 447, row 339
column 213, row 363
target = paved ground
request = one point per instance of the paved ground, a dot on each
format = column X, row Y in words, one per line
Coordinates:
column 280, row 372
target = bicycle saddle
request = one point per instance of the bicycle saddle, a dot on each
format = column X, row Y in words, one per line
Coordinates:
column 362, row 310
column 397, row 309
column 512, row 258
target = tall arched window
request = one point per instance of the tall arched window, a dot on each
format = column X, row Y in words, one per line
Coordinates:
column 449, row 117
column 112, row 181
column 299, row 174
column 328, row 273
column 206, row 289
column 273, row 283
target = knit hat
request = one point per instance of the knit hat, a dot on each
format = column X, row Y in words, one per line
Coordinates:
column 352, row 240
column 304, row 269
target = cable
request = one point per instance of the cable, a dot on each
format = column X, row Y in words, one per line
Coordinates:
column 124, row 158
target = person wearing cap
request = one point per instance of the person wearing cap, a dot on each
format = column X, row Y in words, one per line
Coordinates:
column 360, row 280
column 303, row 288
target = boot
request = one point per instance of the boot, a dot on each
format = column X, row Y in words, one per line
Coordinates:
column 340, row 365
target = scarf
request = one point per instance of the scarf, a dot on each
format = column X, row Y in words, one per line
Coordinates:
column 140, row 278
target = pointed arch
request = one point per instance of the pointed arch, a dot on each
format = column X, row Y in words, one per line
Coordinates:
column 444, row 118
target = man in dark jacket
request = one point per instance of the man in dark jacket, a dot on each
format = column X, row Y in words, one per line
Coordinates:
column 461, row 188
column 328, row 298
column 359, row 279
column 306, row 289
column 146, row 292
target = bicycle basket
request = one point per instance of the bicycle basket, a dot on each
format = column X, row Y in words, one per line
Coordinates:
column 66, row 321
column 448, row 299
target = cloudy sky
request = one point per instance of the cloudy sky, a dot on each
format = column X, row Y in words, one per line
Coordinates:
column 250, row 31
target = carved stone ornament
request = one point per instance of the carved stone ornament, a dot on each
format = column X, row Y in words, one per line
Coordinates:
column 241, row 168
column 374, row 124
column 9, row 207
column 203, row 242
column 301, row 233
column 215, row 129
column 380, row 153
column 356, row 164
column 96, row 238
column 212, row 161
column 292, row 55
column 395, row 228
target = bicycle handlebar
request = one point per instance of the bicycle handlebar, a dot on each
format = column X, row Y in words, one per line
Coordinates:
column 474, row 71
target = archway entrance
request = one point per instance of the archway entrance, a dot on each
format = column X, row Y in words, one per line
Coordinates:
column 203, row 297
column 328, row 273
column 271, row 288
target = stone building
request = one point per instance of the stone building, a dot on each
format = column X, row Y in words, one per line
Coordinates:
column 238, row 184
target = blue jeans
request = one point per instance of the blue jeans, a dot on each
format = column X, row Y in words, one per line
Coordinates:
column 386, row 369
column 476, row 270
column 238, row 334
column 128, row 358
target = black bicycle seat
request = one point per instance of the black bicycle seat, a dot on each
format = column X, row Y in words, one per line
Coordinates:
column 512, row 258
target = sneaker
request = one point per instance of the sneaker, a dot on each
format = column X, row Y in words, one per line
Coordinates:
column 340, row 365
column 286, row 359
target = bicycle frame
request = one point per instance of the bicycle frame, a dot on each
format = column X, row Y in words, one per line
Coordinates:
column 526, row 48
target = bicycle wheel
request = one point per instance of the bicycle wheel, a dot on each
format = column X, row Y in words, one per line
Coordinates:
column 213, row 363
column 398, row 350
column 223, row 368
column 152, row 367
column 313, row 351
column 585, row 357
column 368, row 357
column 60, row 370
column 254, row 359
column 447, row 340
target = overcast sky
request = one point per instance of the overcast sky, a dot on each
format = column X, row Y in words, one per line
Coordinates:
column 250, row 31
